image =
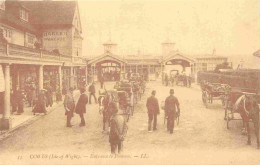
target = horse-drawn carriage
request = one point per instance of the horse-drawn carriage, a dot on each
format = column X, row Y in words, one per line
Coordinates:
column 213, row 91
column 239, row 91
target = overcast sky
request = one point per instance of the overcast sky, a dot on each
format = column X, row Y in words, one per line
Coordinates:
column 196, row 26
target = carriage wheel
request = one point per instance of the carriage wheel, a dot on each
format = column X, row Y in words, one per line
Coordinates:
column 205, row 99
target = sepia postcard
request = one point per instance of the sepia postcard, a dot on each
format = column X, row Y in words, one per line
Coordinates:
column 102, row 82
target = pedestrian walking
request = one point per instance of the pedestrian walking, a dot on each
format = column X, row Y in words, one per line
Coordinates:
column 69, row 105
column 81, row 106
column 92, row 92
column 40, row 105
column 118, row 129
column 49, row 96
column 153, row 110
column 171, row 104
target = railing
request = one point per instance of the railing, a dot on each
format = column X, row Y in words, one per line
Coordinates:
column 8, row 49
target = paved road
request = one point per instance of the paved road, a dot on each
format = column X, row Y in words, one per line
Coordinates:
column 200, row 138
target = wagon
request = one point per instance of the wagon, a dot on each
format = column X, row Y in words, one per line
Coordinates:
column 213, row 91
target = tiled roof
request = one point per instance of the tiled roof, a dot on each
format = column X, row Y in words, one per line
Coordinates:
column 51, row 12
column 16, row 22
column 41, row 14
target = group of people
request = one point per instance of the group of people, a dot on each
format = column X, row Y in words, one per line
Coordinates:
column 171, row 107
column 176, row 79
column 116, row 121
column 38, row 101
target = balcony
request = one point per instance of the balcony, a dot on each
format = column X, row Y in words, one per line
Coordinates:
column 13, row 51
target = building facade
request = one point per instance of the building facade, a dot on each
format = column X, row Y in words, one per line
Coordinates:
column 40, row 46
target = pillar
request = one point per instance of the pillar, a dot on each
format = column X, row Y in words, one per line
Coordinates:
column 60, row 79
column 40, row 77
column 148, row 72
column 86, row 74
column 71, row 77
column 6, row 123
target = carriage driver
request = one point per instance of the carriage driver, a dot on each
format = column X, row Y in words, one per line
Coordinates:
column 171, row 103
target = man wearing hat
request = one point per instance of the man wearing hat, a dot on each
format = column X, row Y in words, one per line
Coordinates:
column 171, row 103
column 69, row 105
column 152, row 110
column 118, row 129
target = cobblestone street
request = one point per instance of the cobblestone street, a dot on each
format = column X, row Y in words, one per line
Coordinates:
column 200, row 136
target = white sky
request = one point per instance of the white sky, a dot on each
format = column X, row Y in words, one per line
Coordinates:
column 196, row 26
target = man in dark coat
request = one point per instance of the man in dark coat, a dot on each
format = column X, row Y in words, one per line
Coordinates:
column 171, row 103
column 92, row 92
column 69, row 105
column 118, row 129
column 153, row 110
column 81, row 106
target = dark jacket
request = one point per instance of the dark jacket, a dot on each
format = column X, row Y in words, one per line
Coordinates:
column 171, row 103
column 81, row 104
column 152, row 105
column 92, row 89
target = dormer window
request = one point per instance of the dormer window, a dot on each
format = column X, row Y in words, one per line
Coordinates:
column 24, row 14
column 2, row 5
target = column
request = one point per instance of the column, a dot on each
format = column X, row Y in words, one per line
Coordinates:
column 86, row 74
column 7, row 93
column 60, row 79
column 5, row 122
column 148, row 72
column 94, row 70
column 71, row 77
column 40, row 77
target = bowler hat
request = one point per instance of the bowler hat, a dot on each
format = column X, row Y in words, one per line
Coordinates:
column 171, row 91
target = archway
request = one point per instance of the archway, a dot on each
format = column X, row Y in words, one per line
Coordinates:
column 110, row 70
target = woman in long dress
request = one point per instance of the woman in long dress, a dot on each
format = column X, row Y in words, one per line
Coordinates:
column 40, row 106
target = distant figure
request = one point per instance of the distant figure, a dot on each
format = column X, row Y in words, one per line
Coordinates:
column 19, row 98
column 81, row 106
column 166, row 79
column 153, row 110
column 101, row 79
column 172, row 80
column 171, row 103
column 92, row 92
column 49, row 96
column 118, row 129
column 40, row 105
column 69, row 105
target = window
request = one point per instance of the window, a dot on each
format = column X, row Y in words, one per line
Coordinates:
column 30, row 40
column 24, row 15
column 7, row 33
column 2, row 5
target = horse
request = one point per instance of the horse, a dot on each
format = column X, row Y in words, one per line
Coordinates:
column 104, row 102
column 246, row 105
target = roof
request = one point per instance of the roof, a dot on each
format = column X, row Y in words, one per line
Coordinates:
column 16, row 22
column 51, row 12
column 41, row 14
